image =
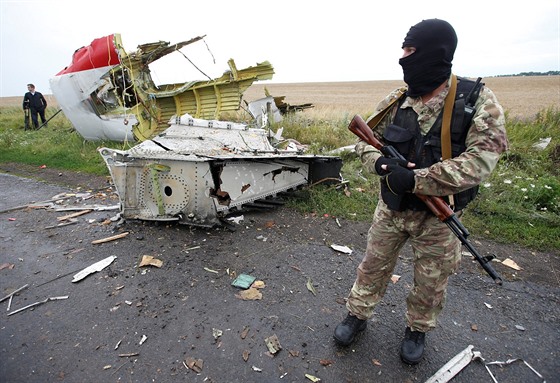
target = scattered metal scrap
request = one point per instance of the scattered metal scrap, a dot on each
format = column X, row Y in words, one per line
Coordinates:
column 98, row 266
column 11, row 295
column 38, row 303
column 462, row 359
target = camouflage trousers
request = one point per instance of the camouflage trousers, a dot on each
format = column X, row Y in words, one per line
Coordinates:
column 436, row 252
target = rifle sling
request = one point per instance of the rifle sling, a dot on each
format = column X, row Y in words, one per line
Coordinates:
column 446, row 124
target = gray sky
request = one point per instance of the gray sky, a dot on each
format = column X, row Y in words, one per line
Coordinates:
column 306, row 41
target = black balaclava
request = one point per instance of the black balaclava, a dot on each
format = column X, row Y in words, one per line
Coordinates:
column 435, row 42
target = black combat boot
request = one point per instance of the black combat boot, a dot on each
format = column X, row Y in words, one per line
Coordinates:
column 412, row 347
column 345, row 332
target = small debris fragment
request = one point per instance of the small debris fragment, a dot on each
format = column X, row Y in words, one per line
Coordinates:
column 14, row 292
column 312, row 378
column 326, row 362
column 542, row 143
column 250, row 294
column 395, row 278
column 258, row 285
column 237, row 219
column 148, row 260
column 38, row 303
column 7, row 265
column 244, row 332
column 211, row 271
column 310, row 286
column 256, row 369
column 519, row 327
column 127, row 355
column 488, row 305
column 273, row 344
column 73, row 215
column 376, row 362
column 243, row 281
column 144, row 337
column 98, row 266
column 216, row 333
column 342, row 249
column 194, row 364
column 510, row 263
column 474, row 327
column 246, row 354
column 109, row 239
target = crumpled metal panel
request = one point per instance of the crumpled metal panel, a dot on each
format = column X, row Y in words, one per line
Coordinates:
column 199, row 171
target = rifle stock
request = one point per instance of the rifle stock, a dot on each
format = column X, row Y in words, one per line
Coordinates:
column 437, row 205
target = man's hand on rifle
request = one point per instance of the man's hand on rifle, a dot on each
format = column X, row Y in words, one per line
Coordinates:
column 399, row 179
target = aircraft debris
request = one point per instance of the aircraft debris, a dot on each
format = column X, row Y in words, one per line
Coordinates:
column 6, row 265
column 216, row 333
column 69, row 221
column 194, row 364
column 38, row 303
column 129, row 354
column 109, row 239
column 73, row 215
column 273, row 344
column 462, row 359
column 342, row 249
column 251, row 294
column 98, row 266
column 144, row 338
column 511, row 263
column 149, row 260
column 312, row 378
column 243, row 281
column 10, row 295
column 455, row 365
column 109, row 94
column 197, row 172
column 310, row 286
column 237, row 219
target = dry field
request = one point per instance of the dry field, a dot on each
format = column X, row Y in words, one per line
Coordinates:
column 521, row 97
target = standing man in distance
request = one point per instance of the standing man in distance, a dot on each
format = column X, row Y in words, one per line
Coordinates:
column 36, row 103
column 413, row 124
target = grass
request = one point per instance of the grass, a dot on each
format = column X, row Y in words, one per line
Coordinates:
column 519, row 203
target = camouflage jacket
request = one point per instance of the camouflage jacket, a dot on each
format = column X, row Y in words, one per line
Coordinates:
column 485, row 141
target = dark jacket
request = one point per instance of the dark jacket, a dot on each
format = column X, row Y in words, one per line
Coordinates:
column 34, row 101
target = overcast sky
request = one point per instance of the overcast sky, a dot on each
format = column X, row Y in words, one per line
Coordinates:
column 306, row 41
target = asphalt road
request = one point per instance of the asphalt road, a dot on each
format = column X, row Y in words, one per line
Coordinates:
column 128, row 323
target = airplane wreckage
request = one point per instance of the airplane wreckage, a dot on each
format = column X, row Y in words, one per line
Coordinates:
column 189, row 166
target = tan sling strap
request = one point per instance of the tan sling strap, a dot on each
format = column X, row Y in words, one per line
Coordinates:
column 379, row 116
column 446, row 124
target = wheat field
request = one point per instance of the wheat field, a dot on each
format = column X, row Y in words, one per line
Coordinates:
column 521, row 97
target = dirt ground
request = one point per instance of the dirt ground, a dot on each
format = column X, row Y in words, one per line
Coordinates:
column 128, row 323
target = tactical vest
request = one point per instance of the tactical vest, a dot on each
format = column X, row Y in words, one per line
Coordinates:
column 425, row 150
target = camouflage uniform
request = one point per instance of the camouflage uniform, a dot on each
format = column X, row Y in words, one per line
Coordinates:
column 437, row 252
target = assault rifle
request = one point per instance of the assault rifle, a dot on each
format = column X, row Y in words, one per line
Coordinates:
column 436, row 204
